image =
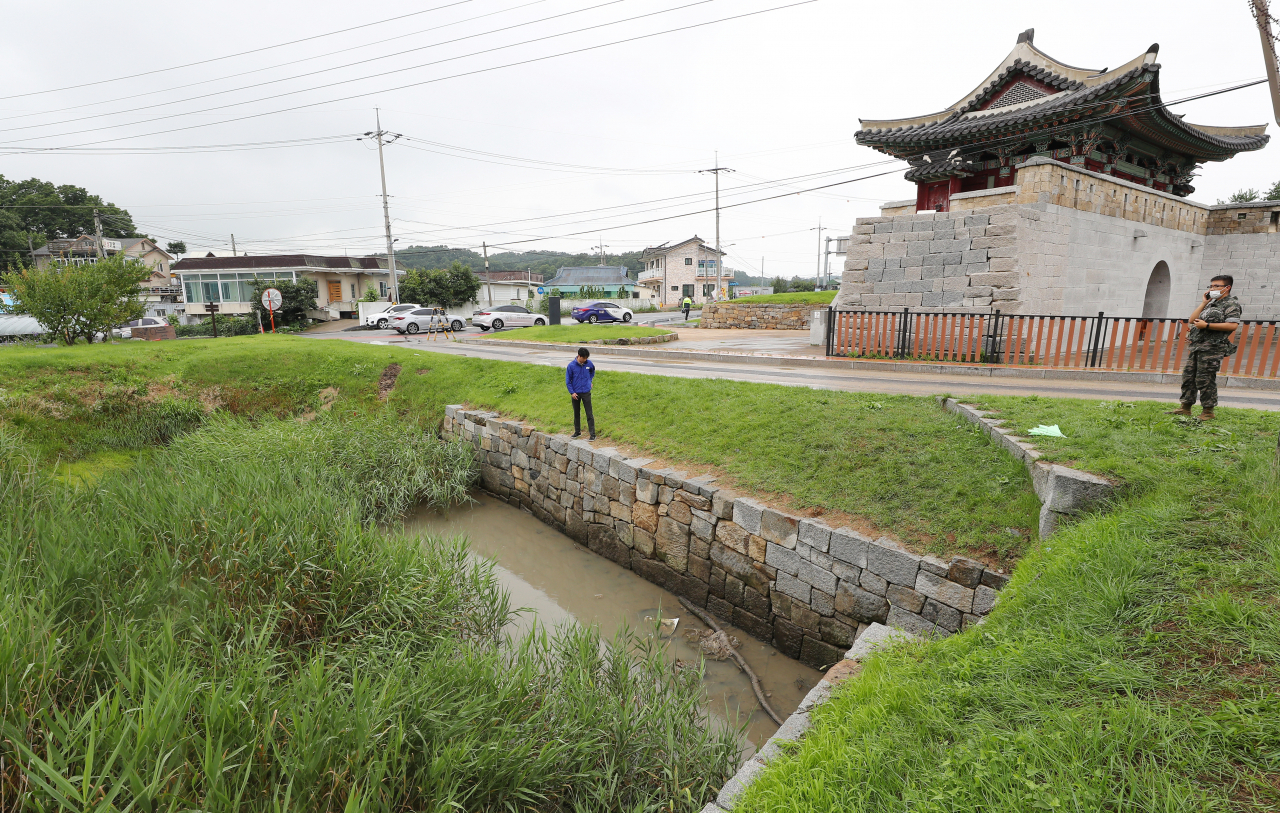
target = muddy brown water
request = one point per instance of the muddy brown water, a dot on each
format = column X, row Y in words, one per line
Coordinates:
column 558, row 581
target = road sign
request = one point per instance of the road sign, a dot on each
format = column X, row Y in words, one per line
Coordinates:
column 542, row 290
column 271, row 299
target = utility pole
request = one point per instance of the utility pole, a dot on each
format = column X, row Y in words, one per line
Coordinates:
column 818, row 274
column 97, row 230
column 826, row 262
column 602, row 248
column 1262, row 16
column 488, row 281
column 233, row 246
column 716, row 170
column 381, row 136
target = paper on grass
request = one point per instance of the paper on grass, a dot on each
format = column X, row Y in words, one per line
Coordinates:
column 1048, row 431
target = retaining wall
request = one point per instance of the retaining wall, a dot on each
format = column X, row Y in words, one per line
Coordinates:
column 795, row 582
column 770, row 316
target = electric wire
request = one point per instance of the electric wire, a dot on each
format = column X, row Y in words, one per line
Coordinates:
column 235, row 55
column 421, row 83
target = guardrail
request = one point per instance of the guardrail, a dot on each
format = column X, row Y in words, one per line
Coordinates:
column 1024, row 340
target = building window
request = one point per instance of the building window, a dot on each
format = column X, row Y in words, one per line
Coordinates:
column 353, row 290
column 382, row 289
column 635, row 294
column 688, row 261
column 708, row 289
column 675, row 287
column 688, row 291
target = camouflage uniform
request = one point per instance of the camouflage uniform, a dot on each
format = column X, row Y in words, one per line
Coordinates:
column 1207, row 349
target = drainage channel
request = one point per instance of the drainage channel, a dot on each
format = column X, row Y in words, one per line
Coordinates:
column 559, row 581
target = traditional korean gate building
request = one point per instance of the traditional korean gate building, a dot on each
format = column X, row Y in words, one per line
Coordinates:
column 1058, row 190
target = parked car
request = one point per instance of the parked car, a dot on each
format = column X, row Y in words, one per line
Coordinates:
column 428, row 319
column 382, row 320
column 125, row 331
column 602, row 312
column 506, row 316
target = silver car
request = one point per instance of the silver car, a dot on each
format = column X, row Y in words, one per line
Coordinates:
column 506, row 316
column 426, row 319
column 382, row 321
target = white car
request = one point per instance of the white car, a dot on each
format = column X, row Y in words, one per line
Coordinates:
column 382, row 320
column 506, row 316
column 428, row 319
column 125, row 331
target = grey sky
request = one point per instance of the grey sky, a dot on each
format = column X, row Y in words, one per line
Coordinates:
column 778, row 94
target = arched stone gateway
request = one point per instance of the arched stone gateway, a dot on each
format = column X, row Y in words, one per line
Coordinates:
column 1155, row 305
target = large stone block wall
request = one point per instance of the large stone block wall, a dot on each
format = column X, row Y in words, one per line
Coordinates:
column 1064, row 251
column 932, row 260
column 771, row 316
column 795, row 582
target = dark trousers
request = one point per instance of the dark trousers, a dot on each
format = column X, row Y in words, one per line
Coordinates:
column 1200, row 375
column 686, row 312
column 583, row 401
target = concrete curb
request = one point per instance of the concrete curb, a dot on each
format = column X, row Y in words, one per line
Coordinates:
column 1063, row 492
column 825, row 363
column 793, row 729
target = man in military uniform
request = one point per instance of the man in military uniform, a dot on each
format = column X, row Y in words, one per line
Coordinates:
column 1209, row 342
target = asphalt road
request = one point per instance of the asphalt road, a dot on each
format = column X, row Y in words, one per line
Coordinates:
column 841, row 380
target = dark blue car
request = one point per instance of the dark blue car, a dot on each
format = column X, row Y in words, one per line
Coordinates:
column 602, row 312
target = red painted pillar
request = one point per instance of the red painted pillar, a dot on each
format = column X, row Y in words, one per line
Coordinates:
column 922, row 197
column 953, row 189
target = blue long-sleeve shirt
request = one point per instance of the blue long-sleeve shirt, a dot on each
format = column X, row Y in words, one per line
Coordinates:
column 577, row 377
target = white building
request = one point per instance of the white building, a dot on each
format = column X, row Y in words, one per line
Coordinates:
column 228, row 281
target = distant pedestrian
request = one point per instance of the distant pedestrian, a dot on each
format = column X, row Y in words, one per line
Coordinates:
column 577, row 379
column 687, row 304
column 1212, row 323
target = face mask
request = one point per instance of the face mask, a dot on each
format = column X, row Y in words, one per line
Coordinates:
column 1215, row 294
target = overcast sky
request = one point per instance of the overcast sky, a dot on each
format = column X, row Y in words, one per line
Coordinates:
column 568, row 151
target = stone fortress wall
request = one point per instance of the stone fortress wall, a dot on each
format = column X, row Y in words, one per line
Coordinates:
column 763, row 316
column 807, row 588
column 1063, row 241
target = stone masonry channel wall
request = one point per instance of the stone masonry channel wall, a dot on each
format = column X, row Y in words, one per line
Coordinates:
column 764, row 316
column 795, row 582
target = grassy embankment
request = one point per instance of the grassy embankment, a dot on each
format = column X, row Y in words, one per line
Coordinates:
column 795, row 298
column 898, row 463
column 1132, row 664
column 223, row 626
column 573, row 334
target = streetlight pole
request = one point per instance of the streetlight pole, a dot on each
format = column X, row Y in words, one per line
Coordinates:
column 818, row 273
column 716, row 170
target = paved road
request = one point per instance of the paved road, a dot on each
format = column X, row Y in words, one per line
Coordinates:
column 848, row 381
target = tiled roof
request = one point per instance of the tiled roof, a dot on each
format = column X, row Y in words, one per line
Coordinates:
column 600, row 276
column 280, row 261
column 1130, row 96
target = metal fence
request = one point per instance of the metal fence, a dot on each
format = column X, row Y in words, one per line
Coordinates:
column 1068, row 342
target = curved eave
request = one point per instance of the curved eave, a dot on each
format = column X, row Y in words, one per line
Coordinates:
column 1137, row 87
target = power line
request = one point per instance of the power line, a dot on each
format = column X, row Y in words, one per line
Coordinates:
column 341, row 67
column 325, row 55
column 235, row 55
column 475, row 72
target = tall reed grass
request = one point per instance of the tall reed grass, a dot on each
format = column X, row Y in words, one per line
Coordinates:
column 224, row 628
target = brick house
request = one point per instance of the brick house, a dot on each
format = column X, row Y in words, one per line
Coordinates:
column 687, row 268
column 162, row 295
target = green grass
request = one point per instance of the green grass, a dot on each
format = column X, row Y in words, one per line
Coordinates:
column 796, row 298
column 1132, row 441
column 575, row 334
column 1133, row 664
column 899, row 462
column 225, row 627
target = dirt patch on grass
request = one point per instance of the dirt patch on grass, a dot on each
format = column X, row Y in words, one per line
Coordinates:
column 387, row 381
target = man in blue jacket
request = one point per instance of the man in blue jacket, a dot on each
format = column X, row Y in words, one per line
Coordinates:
column 577, row 379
